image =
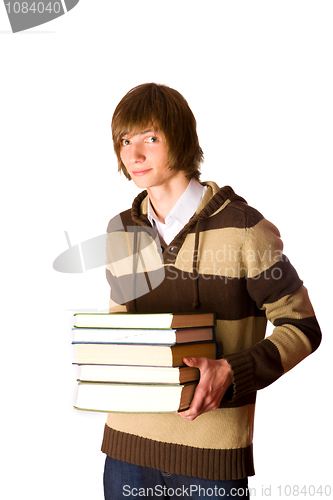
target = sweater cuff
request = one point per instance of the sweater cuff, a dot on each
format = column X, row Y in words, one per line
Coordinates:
column 243, row 381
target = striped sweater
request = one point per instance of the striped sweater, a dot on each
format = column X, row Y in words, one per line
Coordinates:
column 228, row 259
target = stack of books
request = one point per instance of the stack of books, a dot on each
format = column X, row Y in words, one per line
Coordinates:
column 134, row 362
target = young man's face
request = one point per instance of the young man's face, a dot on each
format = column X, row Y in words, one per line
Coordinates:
column 145, row 156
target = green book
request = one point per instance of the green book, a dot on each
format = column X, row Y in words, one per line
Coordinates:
column 155, row 321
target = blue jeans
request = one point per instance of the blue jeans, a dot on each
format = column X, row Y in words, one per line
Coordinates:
column 123, row 480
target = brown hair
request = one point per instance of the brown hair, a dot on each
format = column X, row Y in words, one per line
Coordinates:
column 165, row 109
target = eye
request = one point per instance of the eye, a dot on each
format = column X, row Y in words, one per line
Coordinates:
column 152, row 139
column 125, row 142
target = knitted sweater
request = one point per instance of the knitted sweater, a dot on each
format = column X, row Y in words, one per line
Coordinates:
column 228, row 259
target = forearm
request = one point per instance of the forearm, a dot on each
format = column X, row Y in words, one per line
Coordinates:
column 295, row 336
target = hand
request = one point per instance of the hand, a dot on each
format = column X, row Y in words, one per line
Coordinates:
column 215, row 378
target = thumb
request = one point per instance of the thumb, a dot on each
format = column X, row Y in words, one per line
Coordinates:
column 195, row 362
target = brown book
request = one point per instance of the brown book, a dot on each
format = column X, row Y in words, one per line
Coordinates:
column 138, row 374
column 134, row 398
column 142, row 354
column 142, row 336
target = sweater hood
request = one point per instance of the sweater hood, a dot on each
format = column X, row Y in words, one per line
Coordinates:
column 214, row 201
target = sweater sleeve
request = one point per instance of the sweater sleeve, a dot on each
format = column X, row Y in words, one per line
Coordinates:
column 273, row 283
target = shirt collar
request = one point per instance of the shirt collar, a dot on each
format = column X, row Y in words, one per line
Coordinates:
column 186, row 205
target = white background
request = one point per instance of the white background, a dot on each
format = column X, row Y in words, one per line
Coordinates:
column 258, row 77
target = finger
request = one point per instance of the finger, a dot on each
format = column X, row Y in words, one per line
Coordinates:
column 202, row 403
column 190, row 361
column 188, row 414
column 191, row 414
column 197, row 405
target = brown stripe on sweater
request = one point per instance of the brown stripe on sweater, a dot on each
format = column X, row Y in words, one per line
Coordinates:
column 264, row 361
column 267, row 363
column 247, row 399
column 242, row 375
column 184, row 460
column 274, row 283
column 230, row 298
column 236, row 214
column 115, row 291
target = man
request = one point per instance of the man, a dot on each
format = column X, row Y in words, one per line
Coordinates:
column 219, row 255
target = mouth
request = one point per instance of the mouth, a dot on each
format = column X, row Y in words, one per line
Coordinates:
column 139, row 173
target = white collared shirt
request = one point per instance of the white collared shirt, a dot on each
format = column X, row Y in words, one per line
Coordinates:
column 180, row 213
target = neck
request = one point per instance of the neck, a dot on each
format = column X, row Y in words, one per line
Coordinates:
column 164, row 197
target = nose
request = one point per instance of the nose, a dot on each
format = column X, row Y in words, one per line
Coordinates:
column 136, row 153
